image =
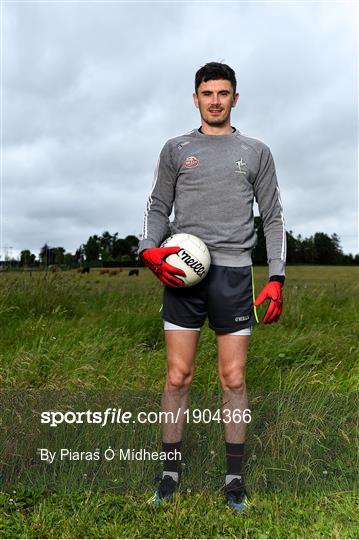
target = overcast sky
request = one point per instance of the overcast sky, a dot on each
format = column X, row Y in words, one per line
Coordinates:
column 92, row 90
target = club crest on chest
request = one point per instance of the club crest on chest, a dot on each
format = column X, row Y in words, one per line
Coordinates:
column 240, row 166
column 191, row 162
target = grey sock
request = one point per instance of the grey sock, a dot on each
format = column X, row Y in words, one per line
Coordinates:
column 230, row 477
column 172, row 474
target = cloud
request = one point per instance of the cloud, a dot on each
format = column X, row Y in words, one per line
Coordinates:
column 92, row 91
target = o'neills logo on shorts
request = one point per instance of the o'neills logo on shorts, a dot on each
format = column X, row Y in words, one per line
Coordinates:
column 192, row 263
column 191, row 162
column 243, row 318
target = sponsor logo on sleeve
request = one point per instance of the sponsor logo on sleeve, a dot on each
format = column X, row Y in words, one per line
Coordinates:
column 182, row 144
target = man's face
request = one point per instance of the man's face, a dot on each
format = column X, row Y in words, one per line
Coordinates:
column 214, row 99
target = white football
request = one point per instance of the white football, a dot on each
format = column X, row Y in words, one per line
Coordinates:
column 193, row 258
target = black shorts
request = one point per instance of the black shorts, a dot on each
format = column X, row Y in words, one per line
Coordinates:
column 225, row 295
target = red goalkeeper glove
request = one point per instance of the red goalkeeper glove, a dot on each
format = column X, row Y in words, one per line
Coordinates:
column 154, row 258
column 273, row 292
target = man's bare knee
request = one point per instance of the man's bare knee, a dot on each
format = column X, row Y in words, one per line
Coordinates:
column 178, row 379
column 233, row 380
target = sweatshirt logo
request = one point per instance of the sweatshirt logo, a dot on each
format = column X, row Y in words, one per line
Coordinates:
column 240, row 164
column 191, row 162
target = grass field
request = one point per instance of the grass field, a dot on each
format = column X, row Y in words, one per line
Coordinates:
column 97, row 334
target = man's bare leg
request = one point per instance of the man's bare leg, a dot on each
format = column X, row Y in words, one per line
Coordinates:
column 232, row 357
column 181, row 347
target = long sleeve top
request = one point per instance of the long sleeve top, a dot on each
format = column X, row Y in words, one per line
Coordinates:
column 210, row 182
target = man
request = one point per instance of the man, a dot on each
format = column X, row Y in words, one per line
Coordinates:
column 211, row 176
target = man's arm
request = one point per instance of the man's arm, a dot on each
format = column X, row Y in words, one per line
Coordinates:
column 270, row 207
column 160, row 202
column 156, row 223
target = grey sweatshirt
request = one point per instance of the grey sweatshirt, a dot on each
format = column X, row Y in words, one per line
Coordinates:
column 210, row 182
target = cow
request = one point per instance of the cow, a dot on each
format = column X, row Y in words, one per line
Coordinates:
column 134, row 272
column 85, row 270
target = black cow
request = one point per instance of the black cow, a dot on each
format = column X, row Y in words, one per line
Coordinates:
column 85, row 270
column 134, row 272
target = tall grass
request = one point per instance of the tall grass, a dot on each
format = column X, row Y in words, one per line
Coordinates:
column 99, row 334
column 65, row 330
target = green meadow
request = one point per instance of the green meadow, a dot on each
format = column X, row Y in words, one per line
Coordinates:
column 100, row 336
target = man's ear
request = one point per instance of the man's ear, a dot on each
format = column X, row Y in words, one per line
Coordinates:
column 235, row 99
column 195, row 99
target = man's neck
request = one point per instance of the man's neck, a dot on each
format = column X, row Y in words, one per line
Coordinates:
column 216, row 130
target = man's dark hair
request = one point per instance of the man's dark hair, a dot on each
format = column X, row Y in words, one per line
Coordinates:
column 213, row 71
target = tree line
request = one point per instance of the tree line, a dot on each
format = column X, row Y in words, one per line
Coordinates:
column 319, row 248
column 99, row 249
column 110, row 250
